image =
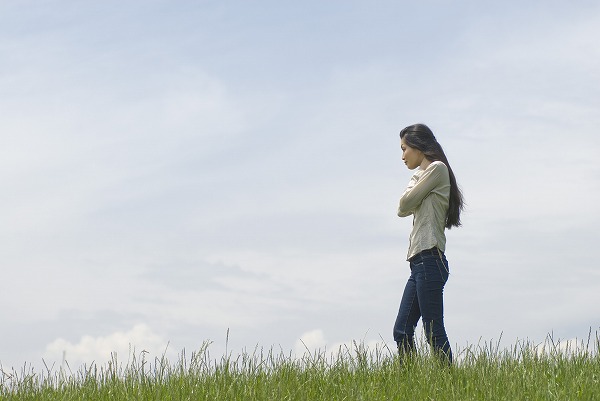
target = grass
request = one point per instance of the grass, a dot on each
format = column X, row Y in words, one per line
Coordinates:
column 552, row 371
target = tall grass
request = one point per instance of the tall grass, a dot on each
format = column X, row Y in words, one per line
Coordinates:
column 551, row 371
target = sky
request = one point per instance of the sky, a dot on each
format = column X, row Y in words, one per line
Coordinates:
column 176, row 172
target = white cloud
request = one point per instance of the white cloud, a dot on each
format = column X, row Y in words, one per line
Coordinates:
column 310, row 342
column 568, row 347
column 98, row 350
column 314, row 341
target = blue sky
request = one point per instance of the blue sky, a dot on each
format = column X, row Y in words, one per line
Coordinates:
column 175, row 170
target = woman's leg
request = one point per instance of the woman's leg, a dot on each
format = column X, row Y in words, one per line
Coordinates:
column 408, row 316
column 430, row 292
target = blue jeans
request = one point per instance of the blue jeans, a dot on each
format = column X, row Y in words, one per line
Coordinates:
column 423, row 298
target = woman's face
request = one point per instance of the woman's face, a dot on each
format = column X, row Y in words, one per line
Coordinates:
column 410, row 156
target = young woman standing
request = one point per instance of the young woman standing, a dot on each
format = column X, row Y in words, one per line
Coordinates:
column 435, row 201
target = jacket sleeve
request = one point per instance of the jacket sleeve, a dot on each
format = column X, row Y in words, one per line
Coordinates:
column 420, row 187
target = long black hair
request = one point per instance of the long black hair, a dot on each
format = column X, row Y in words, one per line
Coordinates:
column 420, row 136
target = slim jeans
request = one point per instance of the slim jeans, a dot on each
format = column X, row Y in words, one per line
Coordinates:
column 423, row 298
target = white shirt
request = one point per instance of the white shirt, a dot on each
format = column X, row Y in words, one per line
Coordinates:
column 427, row 198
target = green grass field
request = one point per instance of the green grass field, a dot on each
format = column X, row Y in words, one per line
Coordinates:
column 524, row 372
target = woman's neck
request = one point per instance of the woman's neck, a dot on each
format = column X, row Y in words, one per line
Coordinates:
column 424, row 164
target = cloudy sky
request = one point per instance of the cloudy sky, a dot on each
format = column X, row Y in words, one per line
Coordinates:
column 174, row 171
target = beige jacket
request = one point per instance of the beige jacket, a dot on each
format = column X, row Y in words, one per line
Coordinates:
column 426, row 198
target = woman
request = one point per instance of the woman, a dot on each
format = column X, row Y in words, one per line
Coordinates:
column 435, row 201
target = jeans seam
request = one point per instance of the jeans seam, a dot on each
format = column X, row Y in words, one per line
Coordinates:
column 440, row 270
column 442, row 260
column 412, row 302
